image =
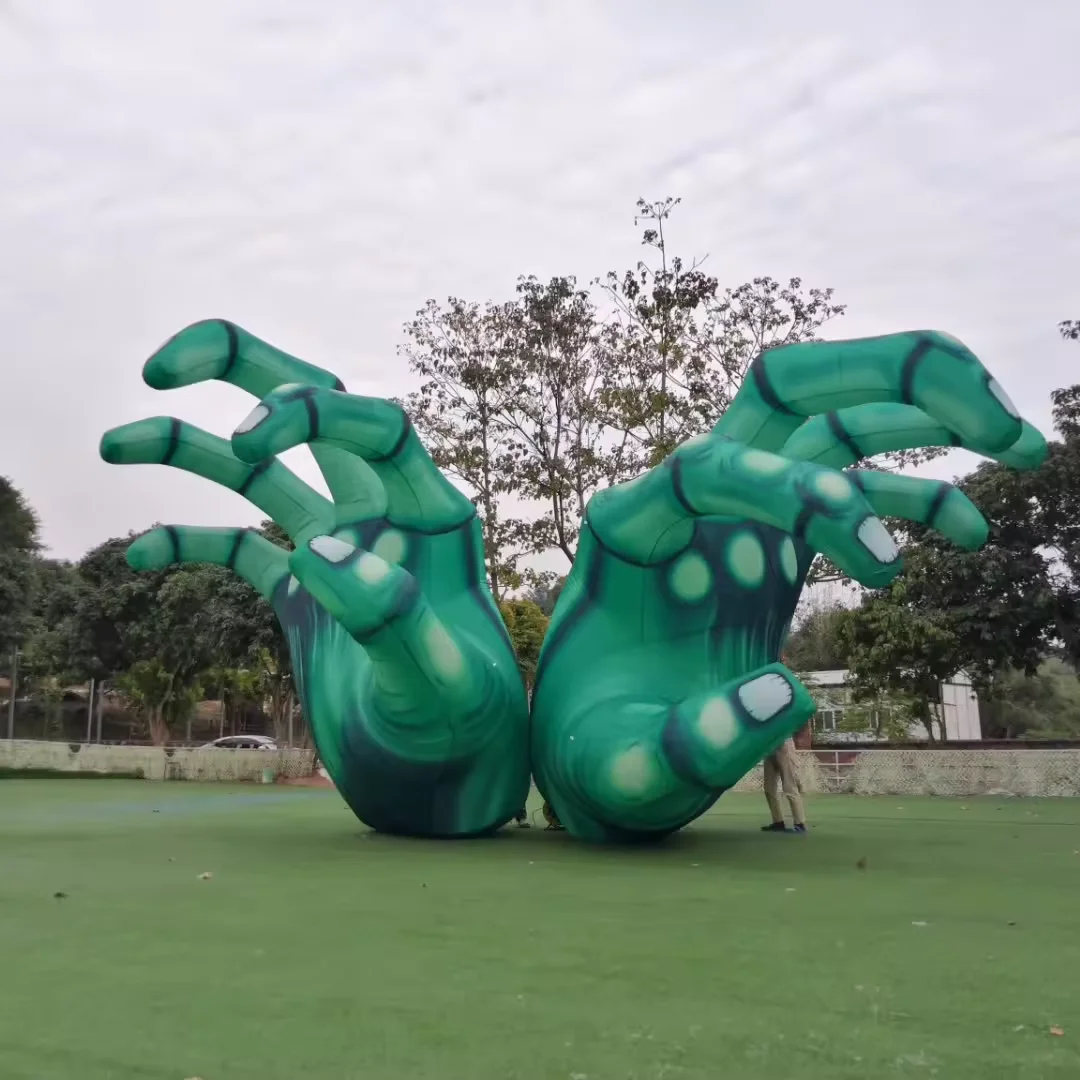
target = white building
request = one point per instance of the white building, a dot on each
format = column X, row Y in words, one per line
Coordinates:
column 959, row 704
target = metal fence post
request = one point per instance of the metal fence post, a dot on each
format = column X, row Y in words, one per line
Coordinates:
column 90, row 713
column 12, row 692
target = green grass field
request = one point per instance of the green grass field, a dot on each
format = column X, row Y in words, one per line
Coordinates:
column 318, row 949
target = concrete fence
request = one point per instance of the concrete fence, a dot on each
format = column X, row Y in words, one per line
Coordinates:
column 858, row 772
column 154, row 762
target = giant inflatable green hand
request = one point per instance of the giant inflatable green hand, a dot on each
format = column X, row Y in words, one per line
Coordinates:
column 402, row 662
column 659, row 684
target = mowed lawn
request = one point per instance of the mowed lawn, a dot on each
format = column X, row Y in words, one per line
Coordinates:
column 320, row 950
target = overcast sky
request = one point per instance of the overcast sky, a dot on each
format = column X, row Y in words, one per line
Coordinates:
column 315, row 170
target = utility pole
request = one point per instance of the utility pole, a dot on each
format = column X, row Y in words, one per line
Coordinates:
column 11, row 693
column 100, row 706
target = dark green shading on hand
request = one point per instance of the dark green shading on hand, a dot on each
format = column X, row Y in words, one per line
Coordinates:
column 401, row 660
column 659, row 684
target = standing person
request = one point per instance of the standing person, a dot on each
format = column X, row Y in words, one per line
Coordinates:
column 552, row 819
column 780, row 772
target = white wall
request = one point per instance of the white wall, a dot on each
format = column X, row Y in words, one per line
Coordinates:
column 155, row 762
column 961, row 706
column 961, row 709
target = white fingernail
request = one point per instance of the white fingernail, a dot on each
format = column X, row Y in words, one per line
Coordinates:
column 331, row 548
column 253, row 420
column 766, row 695
column 878, row 541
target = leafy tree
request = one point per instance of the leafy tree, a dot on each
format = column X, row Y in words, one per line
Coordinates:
column 527, row 625
column 684, row 345
column 156, row 635
column 159, row 697
column 900, row 651
column 984, row 612
column 106, row 599
column 998, row 612
column 237, row 689
column 47, row 695
column 181, row 640
column 817, row 643
column 18, row 521
column 561, row 446
column 19, row 545
column 889, row 717
column 546, row 594
column 1045, row 705
column 471, row 381
column 662, row 378
column 44, row 665
column 267, row 653
column 549, row 397
column 1015, row 600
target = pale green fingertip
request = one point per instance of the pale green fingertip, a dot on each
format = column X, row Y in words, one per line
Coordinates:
column 196, row 354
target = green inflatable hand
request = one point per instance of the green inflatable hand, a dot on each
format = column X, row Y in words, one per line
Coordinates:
column 401, row 659
column 659, row 684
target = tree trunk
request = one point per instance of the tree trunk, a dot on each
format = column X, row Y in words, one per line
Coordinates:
column 927, row 721
column 159, row 728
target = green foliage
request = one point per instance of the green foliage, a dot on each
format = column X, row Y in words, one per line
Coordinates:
column 565, row 390
column 542, row 400
column 681, row 347
column 461, row 351
column 817, row 642
column 19, row 545
column 1045, row 705
column 889, row 718
column 998, row 612
column 898, row 649
column 160, row 696
column 18, row 522
column 17, row 587
column 527, row 624
column 822, row 642
column 546, row 594
column 160, row 637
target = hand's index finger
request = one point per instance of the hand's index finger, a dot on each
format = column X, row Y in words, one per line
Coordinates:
column 845, row 436
column 221, row 350
column 373, row 429
column 924, row 368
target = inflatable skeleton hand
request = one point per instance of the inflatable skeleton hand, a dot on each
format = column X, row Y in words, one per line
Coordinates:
column 659, row 684
column 401, row 660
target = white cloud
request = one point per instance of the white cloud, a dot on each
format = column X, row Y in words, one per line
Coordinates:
column 315, row 173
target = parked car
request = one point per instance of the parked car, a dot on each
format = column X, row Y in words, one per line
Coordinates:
column 241, row 742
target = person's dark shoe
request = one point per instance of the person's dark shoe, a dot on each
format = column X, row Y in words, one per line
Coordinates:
column 776, row 826
column 799, row 828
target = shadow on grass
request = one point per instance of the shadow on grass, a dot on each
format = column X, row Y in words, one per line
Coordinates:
column 735, row 846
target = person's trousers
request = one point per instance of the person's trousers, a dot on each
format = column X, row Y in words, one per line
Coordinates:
column 780, row 773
